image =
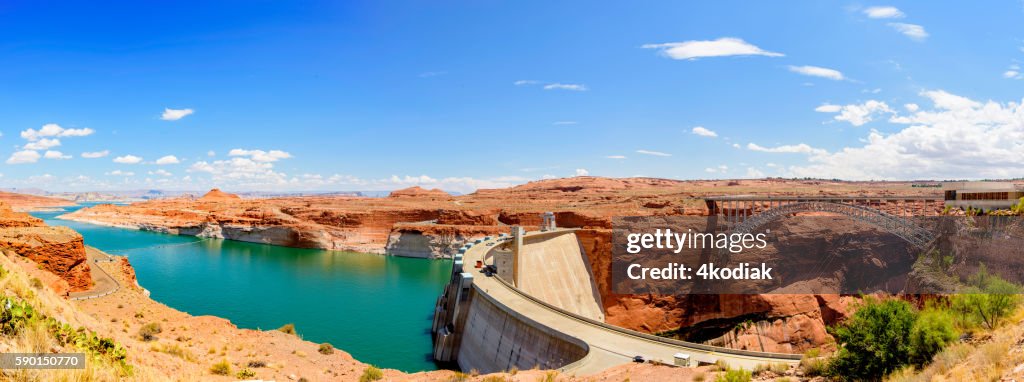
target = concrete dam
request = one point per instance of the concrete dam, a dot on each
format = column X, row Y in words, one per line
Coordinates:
column 530, row 300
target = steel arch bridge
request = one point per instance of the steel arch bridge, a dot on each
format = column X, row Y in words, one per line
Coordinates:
column 747, row 213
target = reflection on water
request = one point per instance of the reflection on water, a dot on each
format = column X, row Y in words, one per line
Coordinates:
column 376, row 307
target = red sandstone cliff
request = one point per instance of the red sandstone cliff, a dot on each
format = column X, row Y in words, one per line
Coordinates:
column 59, row 250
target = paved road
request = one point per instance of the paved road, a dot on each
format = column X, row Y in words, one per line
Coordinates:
column 103, row 283
column 609, row 345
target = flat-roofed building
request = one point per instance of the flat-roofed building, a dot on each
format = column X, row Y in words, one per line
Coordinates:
column 982, row 195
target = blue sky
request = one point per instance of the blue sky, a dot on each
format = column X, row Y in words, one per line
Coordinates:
column 261, row 95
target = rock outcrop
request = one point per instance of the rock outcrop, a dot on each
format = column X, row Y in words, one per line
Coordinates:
column 216, row 195
column 420, row 193
column 59, row 250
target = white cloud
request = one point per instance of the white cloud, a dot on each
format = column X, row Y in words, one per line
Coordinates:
column 241, row 171
column 211, row 153
column 722, row 47
column 526, row 82
column 1012, row 74
column 616, row 157
column 562, row 123
column 160, row 172
column 42, row 144
column 168, row 159
column 582, row 172
column 51, row 154
column 912, row 107
column 260, row 155
column 857, row 114
column 654, row 153
column 128, row 159
column 801, row 148
column 958, row 138
column 885, row 12
column 95, row 154
column 914, row 31
column 945, row 100
column 817, row 71
column 23, row 156
column 175, row 114
column 120, row 173
column 704, row 132
column 828, row 108
column 754, row 173
column 721, row 169
column 561, row 86
column 54, row 130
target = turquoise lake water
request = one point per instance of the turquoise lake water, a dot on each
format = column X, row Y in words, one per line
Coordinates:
column 378, row 308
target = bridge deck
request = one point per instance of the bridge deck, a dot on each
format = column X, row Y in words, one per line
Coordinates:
column 609, row 345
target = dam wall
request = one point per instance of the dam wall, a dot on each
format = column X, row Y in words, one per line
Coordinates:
column 477, row 332
column 495, row 338
column 554, row 268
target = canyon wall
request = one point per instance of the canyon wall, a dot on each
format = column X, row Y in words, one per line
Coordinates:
column 424, row 223
column 59, row 250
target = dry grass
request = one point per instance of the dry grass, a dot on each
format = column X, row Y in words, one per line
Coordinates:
column 36, row 337
column 988, row 361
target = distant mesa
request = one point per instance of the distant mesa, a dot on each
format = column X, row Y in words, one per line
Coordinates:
column 216, row 194
column 421, row 193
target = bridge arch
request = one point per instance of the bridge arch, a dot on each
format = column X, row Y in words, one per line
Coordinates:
column 901, row 226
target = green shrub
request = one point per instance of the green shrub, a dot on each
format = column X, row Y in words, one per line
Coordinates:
column 371, row 374
column 931, row 332
column 734, row 375
column 987, row 300
column 221, row 368
column 875, row 341
column 149, row 331
column 326, row 348
column 1019, row 207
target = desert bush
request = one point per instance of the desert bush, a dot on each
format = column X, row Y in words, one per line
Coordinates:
column 287, row 328
column 875, row 341
column 812, row 364
column 986, row 301
column 221, row 368
column 245, row 374
column 734, row 375
column 371, row 374
column 326, row 348
column 1019, row 207
column 932, row 331
column 257, row 363
column 149, row 331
